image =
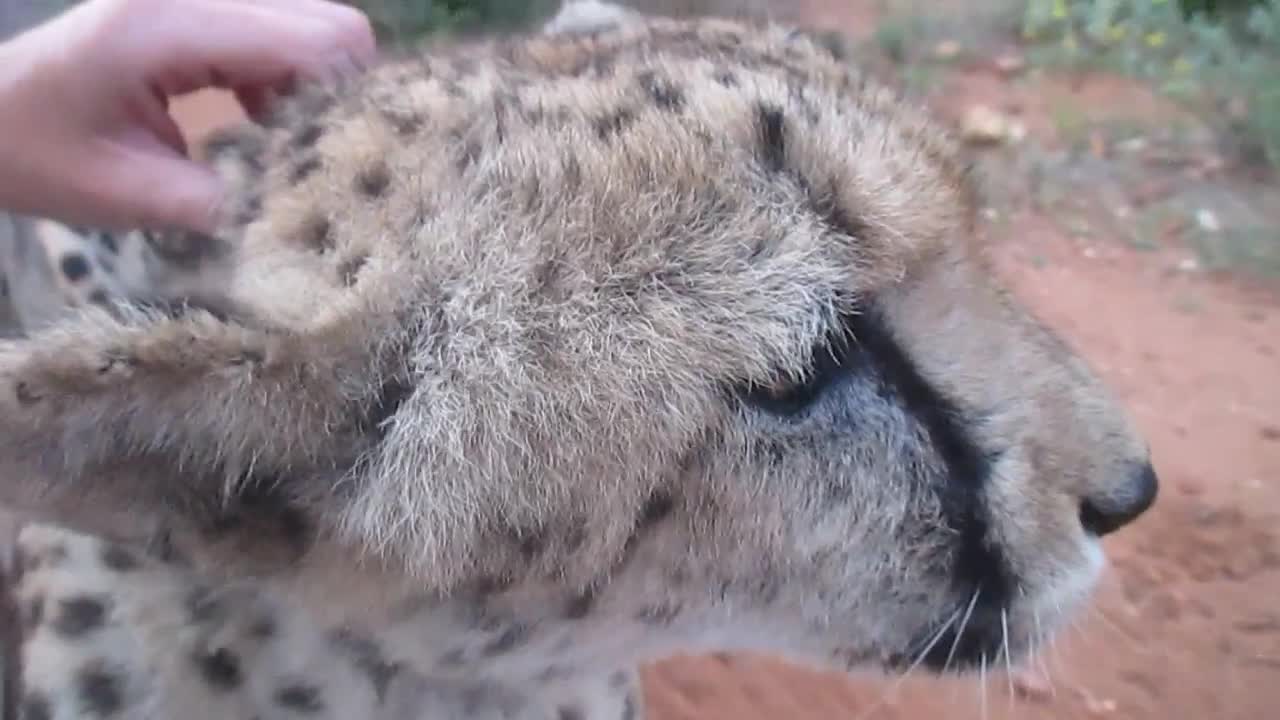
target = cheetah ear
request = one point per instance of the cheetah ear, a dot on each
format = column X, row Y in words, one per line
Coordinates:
column 113, row 423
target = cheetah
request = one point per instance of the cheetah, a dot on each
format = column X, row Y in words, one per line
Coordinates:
column 520, row 362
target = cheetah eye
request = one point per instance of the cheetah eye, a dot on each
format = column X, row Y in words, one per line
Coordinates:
column 792, row 394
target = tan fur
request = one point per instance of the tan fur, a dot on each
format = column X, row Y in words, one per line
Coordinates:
column 496, row 325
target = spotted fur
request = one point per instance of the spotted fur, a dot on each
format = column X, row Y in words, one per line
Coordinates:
column 537, row 358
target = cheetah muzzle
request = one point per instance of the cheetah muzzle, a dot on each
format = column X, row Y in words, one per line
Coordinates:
column 547, row 354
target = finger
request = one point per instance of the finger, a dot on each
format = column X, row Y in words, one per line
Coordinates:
column 353, row 26
column 241, row 43
column 151, row 187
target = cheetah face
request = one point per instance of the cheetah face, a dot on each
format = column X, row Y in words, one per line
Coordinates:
column 933, row 487
column 659, row 339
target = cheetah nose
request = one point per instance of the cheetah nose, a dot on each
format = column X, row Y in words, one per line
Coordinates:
column 1107, row 513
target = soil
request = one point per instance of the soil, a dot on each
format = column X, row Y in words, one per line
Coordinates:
column 1187, row 623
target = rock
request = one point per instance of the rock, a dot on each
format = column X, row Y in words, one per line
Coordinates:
column 946, row 50
column 982, row 125
column 1010, row 64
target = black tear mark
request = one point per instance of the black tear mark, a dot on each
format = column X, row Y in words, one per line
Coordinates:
column 515, row 635
column 373, row 181
column 662, row 91
column 772, row 140
column 299, row 698
column 80, row 615
column 304, row 169
column 220, row 669
column 75, row 266
column 101, row 690
column 978, row 561
column 368, row 659
column 614, row 123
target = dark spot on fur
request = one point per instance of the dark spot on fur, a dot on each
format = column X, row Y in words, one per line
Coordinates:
column 80, row 615
column 101, row 690
column 250, row 210
column 33, row 614
column 75, row 266
column 304, row 169
column 317, row 233
column 402, row 121
column 302, row 699
column 307, row 136
column 662, row 91
column 26, row 398
column 619, row 679
column 509, row 639
column 453, row 658
column 613, row 123
column 100, row 298
column 726, row 78
column 658, row 614
column 187, row 249
column 349, row 269
column 392, row 394
column 108, row 241
column 490, row 585
column 629, row 707
column 576, row 537
column 772, row 137
column 531, row 542
column 568, row 712
column 580, row 605
column 467, row 155
column 659, row 505
column 203, row 606
column 572, row 173
column 368, row 659
column 220, row 669
column 373, row 181
column 35, row 706
column 263, row 627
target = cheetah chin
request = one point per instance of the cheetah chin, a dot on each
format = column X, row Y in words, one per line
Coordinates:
column 519, row 362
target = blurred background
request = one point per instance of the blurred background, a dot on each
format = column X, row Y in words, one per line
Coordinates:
column 1129, row 152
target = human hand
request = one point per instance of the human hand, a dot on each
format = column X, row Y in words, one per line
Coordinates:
column 85, row 132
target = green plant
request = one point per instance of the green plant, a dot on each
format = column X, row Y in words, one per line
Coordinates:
column 403, row 20
column 1192, row 50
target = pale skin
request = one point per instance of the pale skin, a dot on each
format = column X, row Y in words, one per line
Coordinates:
column 86, row 136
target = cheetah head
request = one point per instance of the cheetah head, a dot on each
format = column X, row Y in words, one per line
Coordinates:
column 668, row 338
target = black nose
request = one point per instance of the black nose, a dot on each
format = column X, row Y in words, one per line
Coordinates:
column 1107, row 513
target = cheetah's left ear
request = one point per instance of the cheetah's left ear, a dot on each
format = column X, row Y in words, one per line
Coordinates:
column 110, row 422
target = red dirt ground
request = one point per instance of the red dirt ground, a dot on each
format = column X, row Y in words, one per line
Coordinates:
column 1187, row 623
